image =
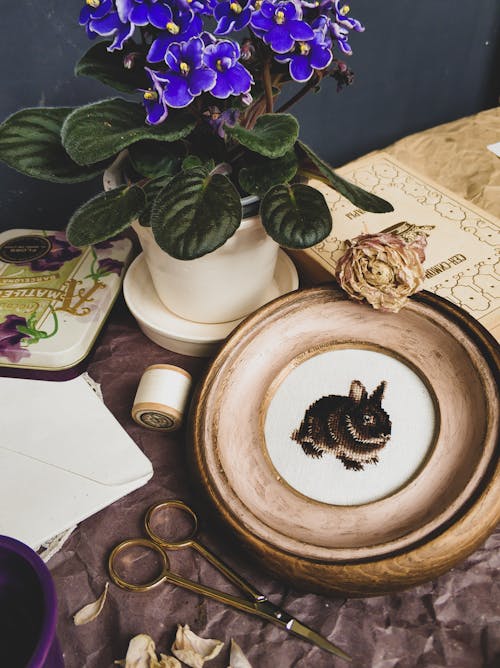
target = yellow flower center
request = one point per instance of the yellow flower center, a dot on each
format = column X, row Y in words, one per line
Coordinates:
column 258, row 4
column 304, row 48
column 93, row 3
column 236, row 8
column 345, row 10
column 150, row 95
column 219, row 65
column 173, row 28
column 184, row 68
column 279, row 17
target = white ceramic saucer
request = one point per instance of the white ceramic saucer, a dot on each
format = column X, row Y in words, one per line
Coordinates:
column 184, row 336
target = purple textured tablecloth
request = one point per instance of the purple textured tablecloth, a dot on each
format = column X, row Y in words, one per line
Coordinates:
column 453, row 622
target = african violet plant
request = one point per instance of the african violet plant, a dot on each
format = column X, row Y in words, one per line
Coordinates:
column 201, row 131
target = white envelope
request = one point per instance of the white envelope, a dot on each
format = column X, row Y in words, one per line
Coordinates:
column 63, row 457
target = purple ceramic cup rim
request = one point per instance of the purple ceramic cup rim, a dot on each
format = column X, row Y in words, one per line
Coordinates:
column 48, row 630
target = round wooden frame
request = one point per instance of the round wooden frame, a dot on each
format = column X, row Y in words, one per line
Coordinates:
column 431, row 553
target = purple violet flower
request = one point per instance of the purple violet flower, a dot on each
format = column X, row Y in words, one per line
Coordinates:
column 179, row 27
column 187, row 77
column 143, row 12
column 11, row 337
column 101, row 18
column 280, row 25
column 232, row 15
column 231, row 77
column 93, row 10
column 309, row 56
column 198, row 6
column 341, row 36
column 152, row 99
column 343, row 20
column 340, row 26
column 217, row 119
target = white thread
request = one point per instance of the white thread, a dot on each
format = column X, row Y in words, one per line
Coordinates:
column 161, row 397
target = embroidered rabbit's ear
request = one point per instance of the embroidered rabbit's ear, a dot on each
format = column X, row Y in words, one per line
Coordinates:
column 378, row 394
column 357, row 392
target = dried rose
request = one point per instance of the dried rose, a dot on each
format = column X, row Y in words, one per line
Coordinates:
column 382, row 269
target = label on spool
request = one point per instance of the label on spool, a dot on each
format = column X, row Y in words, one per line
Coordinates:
column 161, row 397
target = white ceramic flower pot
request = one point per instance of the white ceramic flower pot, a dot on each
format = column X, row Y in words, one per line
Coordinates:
column 224, row 285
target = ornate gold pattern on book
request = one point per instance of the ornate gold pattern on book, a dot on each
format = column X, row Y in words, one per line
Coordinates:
column 462, row 264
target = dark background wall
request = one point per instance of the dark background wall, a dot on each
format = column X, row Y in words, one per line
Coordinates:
column 419, row 63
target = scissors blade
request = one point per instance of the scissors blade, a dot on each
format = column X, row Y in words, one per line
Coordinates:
column 306, row 633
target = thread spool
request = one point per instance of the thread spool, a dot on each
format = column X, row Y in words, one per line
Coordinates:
column 161, row 397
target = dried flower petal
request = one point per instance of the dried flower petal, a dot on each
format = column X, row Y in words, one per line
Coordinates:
column 89, row 612
column 193, row 650
column 237, row 659
column 167, row 662
column 382, row 269
column 141, row 654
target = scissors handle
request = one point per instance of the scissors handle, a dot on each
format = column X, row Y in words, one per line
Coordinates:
column 190, row 541
column 138, row 542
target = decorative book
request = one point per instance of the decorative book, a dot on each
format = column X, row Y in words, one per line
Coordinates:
column 462, row 240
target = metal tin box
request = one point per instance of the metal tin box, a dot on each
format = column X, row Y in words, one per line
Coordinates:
column 54, row 299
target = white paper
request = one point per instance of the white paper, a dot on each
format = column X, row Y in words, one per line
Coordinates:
column 63, row 457
column 494, row 148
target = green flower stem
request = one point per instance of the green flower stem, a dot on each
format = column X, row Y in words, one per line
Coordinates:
column 37, row 334
column 93, row 267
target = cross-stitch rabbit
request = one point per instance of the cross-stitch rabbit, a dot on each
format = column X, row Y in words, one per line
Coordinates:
column 352, row 428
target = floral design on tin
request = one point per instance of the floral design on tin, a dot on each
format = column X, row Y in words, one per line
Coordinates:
column 61, row 251
column 16, row 333
column 103, row 266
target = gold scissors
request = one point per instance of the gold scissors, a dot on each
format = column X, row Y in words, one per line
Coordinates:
column 255, row 603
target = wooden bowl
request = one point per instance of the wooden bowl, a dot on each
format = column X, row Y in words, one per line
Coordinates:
column 354, row 516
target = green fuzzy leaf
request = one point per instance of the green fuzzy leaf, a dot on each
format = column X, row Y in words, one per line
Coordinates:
column 102, row 129
column 106, row 215
column 195, row 214
column 154, row 158
column 30, row 142
column 191, row 162
column 359, row 197
column 261, row 174
column 296, row 216
column 108, row 68
column 151, row 190
column 273, row 135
